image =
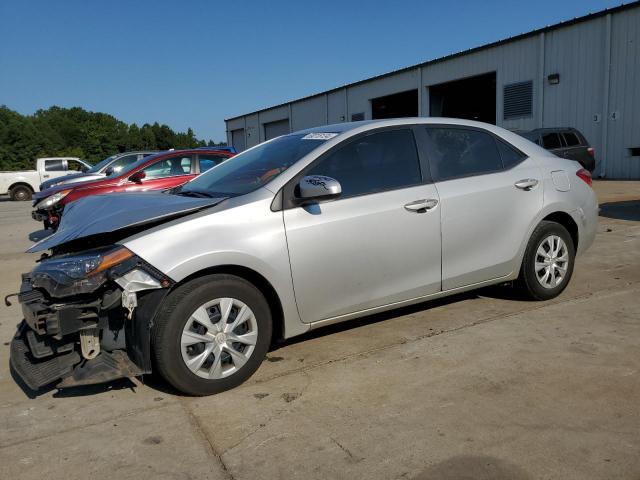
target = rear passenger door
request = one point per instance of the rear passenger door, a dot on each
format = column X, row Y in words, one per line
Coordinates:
column 489, row 194
column 373, row 245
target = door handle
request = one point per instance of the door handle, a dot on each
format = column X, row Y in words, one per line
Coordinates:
column 526, row 184
column 421, row 206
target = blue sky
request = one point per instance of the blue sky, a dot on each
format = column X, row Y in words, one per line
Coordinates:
column 195, row 62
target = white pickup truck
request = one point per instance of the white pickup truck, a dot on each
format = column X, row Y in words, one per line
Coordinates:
column 21, row 185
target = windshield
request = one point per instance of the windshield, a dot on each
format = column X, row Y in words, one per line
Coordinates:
column 254, row 168
column 131, row 166
column 103, row 163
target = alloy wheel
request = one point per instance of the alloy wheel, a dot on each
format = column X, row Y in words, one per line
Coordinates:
column 552, row 260
column 218, row 338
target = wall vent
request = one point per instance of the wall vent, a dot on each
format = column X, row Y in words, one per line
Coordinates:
column 357, row 117
column 518, row 100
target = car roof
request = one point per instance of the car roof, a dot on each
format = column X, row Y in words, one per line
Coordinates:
column 550, row 130
column 348, row 126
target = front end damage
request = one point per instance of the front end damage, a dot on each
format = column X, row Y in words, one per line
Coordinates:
column 87, row 318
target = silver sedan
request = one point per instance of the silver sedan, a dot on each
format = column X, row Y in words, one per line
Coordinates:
column 309, row 229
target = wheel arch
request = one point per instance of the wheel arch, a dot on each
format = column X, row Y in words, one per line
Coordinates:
column 20, row 184
column 567, row 221
column 553, row 213
column 256, row 279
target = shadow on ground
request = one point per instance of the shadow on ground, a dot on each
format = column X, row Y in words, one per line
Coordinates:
column 473, row 467
column 626, row 210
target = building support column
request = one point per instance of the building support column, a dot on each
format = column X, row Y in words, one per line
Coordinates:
column 605, row 104
column 541, row 79
column 420, row 91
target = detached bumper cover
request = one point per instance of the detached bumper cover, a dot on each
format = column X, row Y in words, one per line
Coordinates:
column 46, row 347
column 37, row 373
column 62, row 364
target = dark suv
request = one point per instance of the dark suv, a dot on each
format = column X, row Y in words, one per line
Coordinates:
column 565, row 143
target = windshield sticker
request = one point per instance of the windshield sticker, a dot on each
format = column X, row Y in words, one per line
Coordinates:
column 319, row 136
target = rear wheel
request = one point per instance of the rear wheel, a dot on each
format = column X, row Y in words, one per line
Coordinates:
column 548, row 262
column 20, row 193
column 212, row 334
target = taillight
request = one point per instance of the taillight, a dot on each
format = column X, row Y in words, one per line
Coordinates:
column 585, row 176
column 591, row 151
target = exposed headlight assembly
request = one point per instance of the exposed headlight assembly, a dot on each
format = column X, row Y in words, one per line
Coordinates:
column 75, row 274
column 51, row 200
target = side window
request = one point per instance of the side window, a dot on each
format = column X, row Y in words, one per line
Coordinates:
column 74, row 165
column 54, row 165
column 510, row 156
column 122, row 162
column 460, row 152
column 551, row 140
column 208, row 161
column 374, row 163
column 169, row 167
column 571, row 139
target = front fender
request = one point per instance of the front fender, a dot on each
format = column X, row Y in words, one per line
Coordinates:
column 247, row 235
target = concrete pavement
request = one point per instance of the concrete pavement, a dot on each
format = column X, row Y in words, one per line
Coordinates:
column 480, row 385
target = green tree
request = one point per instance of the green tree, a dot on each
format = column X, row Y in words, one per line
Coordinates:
column 92, row 136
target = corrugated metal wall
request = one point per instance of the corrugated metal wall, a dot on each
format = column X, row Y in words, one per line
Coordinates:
column 579, row 53
column 624, row 96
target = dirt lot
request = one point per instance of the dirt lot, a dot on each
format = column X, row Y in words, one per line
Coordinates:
column 479, row 386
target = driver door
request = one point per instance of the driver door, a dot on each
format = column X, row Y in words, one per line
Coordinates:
column 371, row 246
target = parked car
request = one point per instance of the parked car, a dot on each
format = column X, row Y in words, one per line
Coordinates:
column 108, row 166
column 305, row 230
column 21, row 185
column 565, row 143
column 155, row 172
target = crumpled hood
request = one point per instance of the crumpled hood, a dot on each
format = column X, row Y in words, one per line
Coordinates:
column 98, row 214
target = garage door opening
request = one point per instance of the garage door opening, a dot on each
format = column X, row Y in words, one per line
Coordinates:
column 237, row 139
column 404, row 104
column 275, row 129
column 473, row 98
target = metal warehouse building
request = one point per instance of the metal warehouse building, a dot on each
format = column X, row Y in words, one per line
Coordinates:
column 583, row 73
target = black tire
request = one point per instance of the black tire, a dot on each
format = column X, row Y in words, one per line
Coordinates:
column 176, row 310
column 20, row 193
column 527, row 281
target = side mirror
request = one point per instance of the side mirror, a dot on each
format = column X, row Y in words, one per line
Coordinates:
column 84, row 169
column 318, row 187
column 109, row 170
column 137, row 177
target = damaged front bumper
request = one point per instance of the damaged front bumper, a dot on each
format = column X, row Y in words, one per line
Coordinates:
column 88, row 339
column 50, row 218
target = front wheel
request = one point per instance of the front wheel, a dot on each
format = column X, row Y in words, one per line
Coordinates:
column 212, row 334
column 548, row 262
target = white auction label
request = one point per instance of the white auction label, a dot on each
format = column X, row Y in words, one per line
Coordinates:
column 319, row 136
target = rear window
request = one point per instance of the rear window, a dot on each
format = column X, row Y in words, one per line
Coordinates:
column 54, row 165
column 571, row 139
column 551, row 140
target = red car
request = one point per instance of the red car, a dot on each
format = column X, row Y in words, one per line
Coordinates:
column 157, row 172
